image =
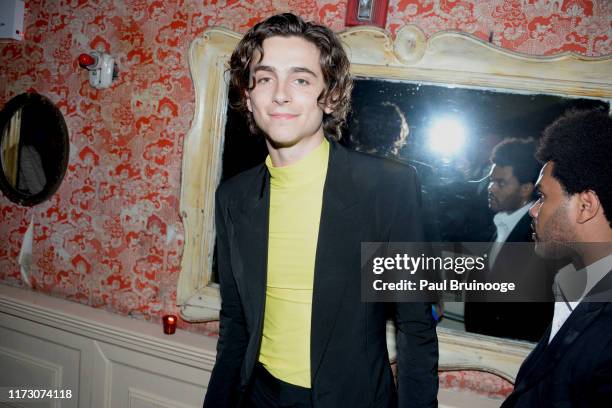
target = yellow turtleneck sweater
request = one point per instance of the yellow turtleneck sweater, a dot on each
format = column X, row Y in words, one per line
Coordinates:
column 296, row 199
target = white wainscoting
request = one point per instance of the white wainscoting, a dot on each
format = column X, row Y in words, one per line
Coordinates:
column 111, row 361
column 106, row 360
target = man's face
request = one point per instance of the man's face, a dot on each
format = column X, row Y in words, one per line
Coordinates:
column 552, row 221
column 287, row 84
column 504, row 190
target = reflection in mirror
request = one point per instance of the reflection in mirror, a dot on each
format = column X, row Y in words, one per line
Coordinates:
column 33, row 149
column 364, row 12
column 446, row 133
column 21, row 160
column 452, row 132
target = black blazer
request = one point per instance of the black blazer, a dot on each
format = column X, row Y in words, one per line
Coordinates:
column 507, row 319
column 575, row 369
column 364, row 199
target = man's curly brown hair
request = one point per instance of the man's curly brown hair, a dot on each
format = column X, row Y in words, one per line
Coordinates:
column 334, row 63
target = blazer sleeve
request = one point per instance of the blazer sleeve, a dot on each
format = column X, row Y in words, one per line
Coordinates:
column 224, row 385
column 417, row 342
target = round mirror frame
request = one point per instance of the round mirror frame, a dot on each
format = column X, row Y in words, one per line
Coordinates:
column 55, row 179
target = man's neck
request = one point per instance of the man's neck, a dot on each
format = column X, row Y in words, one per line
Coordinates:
column 512, row 211
column 588, row 253
column 282, row 156
column 593, row 242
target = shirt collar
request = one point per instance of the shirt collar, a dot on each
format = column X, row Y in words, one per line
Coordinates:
column 309, row 168
column 509, row 221
column 577, row 284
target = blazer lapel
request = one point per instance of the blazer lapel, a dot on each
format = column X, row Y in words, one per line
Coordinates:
column 335, row 247
column 544, row 357
column 521, row 230
column 543, row 362
column 602, row 291
column 249, row 245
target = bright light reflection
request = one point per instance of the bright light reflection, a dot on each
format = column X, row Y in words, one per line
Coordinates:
column 447, row 136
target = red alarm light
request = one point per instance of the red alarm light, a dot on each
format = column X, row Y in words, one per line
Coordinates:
column 85, row 60
column 101, row 68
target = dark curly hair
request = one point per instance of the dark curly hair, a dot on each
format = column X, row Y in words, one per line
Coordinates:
column 386, row 137
column 579, row 143
column 520, row 155
column 334, row 65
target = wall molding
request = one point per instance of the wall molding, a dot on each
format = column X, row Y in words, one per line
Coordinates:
column 139, row 399
column 184, row 348
column 106, row 360
column 55, row 370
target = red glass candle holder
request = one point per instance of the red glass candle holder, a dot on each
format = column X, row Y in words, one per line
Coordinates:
column 169, row 324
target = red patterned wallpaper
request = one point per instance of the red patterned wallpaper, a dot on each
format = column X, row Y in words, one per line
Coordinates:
column 111, row 237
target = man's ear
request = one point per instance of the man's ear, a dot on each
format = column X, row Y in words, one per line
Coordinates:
column 248, row 101
column 588, row 206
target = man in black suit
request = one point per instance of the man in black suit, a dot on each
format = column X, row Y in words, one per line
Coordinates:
column 511, row 191
column 572, row 364
column 293, row 330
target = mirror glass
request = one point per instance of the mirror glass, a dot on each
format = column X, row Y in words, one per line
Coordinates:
column 446, row 133
column 33, row 149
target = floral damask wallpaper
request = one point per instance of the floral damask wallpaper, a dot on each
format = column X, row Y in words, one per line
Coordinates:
column 111, row 237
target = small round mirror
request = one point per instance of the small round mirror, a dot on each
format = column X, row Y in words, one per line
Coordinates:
column 33, row 149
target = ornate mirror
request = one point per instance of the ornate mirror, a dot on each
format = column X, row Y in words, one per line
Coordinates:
column 405, row 84
column 33, row 149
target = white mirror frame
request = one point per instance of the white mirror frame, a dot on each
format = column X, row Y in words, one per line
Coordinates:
column 446, row 58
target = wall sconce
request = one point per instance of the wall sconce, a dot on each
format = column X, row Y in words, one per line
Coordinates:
column 367, row 12
column 102, row 68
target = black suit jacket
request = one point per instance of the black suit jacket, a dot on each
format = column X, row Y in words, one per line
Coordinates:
column 575, row 369
column 364, row 199
column 508, row 319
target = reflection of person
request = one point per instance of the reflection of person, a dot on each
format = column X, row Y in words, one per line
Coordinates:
column 364, row 11
column 382, row 129
column 572, row 364
column 293, row 331
column 513, row 175
column 31, row 178
column 478, row 225
column 379, row 129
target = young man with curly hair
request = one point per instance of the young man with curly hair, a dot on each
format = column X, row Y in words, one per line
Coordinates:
column 293, row 329
column 572, row 364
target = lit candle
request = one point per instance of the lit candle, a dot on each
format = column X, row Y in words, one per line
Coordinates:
column 169, row 324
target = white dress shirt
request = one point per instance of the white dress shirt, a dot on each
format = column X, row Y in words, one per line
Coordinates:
column 504, row 224
column 568, row 279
